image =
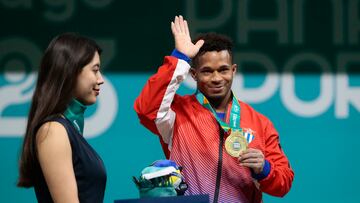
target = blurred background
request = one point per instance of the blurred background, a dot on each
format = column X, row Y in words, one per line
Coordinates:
column 298, row 65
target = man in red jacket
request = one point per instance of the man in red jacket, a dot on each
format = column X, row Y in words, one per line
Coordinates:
column 226, row 148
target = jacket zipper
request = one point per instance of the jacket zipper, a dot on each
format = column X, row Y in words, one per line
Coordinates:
column 219, row 166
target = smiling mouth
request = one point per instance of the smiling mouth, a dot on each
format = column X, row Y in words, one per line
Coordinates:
column 97, row 91
column 216, row 89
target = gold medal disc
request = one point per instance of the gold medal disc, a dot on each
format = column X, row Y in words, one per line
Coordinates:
column 235, row 143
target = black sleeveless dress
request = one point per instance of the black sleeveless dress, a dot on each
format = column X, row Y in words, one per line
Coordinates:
column 89, row 169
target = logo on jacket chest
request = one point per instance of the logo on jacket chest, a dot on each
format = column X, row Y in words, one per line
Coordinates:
column 249, row 134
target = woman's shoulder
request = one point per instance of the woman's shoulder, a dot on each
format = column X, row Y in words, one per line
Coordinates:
column 51, row 132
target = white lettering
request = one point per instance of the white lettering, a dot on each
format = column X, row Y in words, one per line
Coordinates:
column 269, row 86
column 288, row 94
column 344, row 93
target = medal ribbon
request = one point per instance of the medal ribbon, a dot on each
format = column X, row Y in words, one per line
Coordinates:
column 75, row 114
column 234, row 113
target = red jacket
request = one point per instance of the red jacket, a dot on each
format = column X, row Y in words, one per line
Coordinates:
column 190, row 136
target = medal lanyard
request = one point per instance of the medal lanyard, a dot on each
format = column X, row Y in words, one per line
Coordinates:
column 234, row 113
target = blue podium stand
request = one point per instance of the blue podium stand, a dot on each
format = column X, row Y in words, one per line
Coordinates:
column 176, row 199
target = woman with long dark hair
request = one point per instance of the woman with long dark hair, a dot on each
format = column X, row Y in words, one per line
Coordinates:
column 56, row 159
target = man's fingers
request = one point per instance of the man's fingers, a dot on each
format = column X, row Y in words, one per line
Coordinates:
column 173, row 29
column 186, row 28
column 176, row 24
column 182, row 24
column 252, row 165
column 251, row 160
column 199, row 43
column 183, row 43
column 179, row 24
column 250, row 155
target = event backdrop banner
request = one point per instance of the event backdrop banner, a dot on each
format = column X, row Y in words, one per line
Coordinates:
column 298, row 64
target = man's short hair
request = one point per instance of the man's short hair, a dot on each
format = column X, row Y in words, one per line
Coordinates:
column 213, row 42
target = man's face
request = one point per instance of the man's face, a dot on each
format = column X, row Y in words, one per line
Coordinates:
column 214, row 74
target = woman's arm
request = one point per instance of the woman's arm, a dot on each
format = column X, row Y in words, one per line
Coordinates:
column 55, row 158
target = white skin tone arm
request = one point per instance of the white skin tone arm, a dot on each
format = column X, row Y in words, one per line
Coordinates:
column 55, row 157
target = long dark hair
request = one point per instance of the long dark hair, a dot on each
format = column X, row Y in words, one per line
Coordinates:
column 62, row 62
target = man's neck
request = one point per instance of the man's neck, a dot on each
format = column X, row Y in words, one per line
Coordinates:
column 221, row 104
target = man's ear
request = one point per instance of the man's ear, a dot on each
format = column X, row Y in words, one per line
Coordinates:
column 234, row 69
column 193, row 73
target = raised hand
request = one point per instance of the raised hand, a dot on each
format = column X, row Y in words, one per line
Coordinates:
column 182, row 38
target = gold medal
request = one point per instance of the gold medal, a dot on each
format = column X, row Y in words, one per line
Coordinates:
column 235, row 143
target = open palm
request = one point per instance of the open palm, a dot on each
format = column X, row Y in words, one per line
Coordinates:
column 182, row 38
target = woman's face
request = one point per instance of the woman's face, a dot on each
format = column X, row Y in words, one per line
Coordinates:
column 89, row 81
